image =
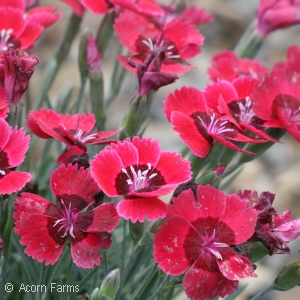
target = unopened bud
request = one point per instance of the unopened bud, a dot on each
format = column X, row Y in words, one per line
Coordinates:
column 288, row 278
column 96, row 295
column 110, row 284
column 136, row 231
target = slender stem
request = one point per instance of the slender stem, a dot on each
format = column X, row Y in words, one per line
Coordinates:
column 133, row 260
column 159, row 290
column 79, row 98
column 60, row 55
column 262, row 293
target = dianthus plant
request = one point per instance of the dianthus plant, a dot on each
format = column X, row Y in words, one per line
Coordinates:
column 123, row 186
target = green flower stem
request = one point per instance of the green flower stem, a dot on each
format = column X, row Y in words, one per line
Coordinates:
column 249, row 43
column 135, row 116
column 53, row 273
column 263, row 292
column 159, row 289
column 79, row 97
column 6, row 241
column 60, row 55
column 97, row 99
column 142, row 286
column 132, row 262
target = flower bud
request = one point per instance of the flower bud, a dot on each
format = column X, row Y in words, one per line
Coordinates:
column 96, row 295
column 110, row 284
column 288, row 277
column 136, row 231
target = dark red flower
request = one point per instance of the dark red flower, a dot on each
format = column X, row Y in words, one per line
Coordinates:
column 187, row 110
column 276, row 100
column 45, row 227
column 177, row 41
column 74, row 131
column 140, row 170
column 13, row 146
column 233, row 99
column 16, row 69
column 226, row 65
column 196, row 237
column 20, row 29
column 276, row 14
column 273, row 230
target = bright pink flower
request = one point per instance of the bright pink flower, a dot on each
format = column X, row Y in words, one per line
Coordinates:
column 273, row 230
column 140, row 170
column 45, row 227
column 233, row 99
column 276, row 100
column 74, row 131
column 276, row 14
column 196, row 237
column 226, row 65
column 187, row 110
column 177, row 40
column 16, row 69
column 13, row 146
column 20, row 29
column 1, row 246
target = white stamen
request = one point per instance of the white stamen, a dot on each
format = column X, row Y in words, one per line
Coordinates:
column 5, row 35
column 138, row 180
column 2, row 172
column 246, row 111
column 213, row 127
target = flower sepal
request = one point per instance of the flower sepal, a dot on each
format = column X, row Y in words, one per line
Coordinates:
column 110, row 284
column 288, row 278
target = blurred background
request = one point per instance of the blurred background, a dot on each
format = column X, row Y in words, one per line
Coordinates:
column 276, row 171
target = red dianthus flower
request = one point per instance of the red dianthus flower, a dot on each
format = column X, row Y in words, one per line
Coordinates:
column 142, row 172
column 73, row 130
column 196, row 237
column 20, row 29
column 45, row 227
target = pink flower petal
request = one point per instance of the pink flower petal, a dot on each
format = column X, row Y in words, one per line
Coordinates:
column 105, row 168
column 13, row 181
column 235, row 214
column 168, row 245
column 204, row 280
column 233, row 266
column 76, row 187
column 84, row 248
column 104, row 218
column 137, row 209
column 186, row 100
column 189, row 133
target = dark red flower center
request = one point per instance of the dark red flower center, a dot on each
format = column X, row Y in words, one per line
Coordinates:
column 208, row 244
column 138, row 179
column 68, row 220
column 213, row 125
column 141, row 178
column 242, row 110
